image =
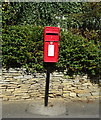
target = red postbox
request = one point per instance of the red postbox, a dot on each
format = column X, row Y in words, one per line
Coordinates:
column 51, row 39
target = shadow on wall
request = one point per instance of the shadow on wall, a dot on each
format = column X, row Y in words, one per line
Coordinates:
column 52, row 67
column 95, row 80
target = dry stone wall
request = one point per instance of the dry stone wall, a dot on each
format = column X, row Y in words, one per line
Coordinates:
column 17, row 85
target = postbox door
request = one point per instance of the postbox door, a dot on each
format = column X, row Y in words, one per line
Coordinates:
column 50, row 51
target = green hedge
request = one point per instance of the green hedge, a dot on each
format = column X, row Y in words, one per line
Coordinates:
column 78, row 55
column 23, row 47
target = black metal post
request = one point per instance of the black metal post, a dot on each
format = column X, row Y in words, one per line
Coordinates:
column 47, row 85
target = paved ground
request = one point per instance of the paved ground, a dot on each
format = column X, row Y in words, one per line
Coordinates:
column 74, row 109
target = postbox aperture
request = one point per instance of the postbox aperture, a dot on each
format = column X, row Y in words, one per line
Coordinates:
column 51, row 39
column 51, row 34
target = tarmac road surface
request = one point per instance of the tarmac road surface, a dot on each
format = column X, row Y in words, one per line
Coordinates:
column 74, row 109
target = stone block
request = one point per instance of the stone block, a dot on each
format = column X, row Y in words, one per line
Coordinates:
column 55, row 80
column 13, row 99
column 85, row 76
column 55, row 92
column 54, row 73
column 72, row 94
column 82, row 87
column 25, row 96
column 28, row 76
column 76, row 76
column 66, row 92
column 12, row 70
column 33, row 93
column 95, row 93
column 60, row 87
column 55, row 87
column 0, row 92
column 19, row 92
column 24, row 90
column 56, row 84
column 42, row 79
column 87, row 84
column 24, row 86
column 19, row 81
column 6, row 81
column 97, row 88
column 18, row 97
column 1, row 96
column 84, row 94
column 93, row 97
column 82, row 91
column 51, row 95
column 26, row 82
column 82, row 80
column 58, row 75
column 12, row 86
column 81, row 99
column 40, row 75
column 34, row 96
column 42, row 96
column 93, row 89
column 65, row 89
column 60, row 90
column 3, row 87
column 18, row 77
column 16, row 83
column 0, row 77
column 65, row 84
column 3, row 90
column 5, row 98
column 10, row 90
column 34, row 87
column 71, row 89
column 42, row 92
column 66, row 95
column 7, row 93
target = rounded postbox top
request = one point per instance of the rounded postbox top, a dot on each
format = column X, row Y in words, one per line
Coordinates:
column 49, row 27
column 51, row 33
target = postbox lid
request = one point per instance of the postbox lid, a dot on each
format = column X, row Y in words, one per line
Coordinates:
column 51, row 29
